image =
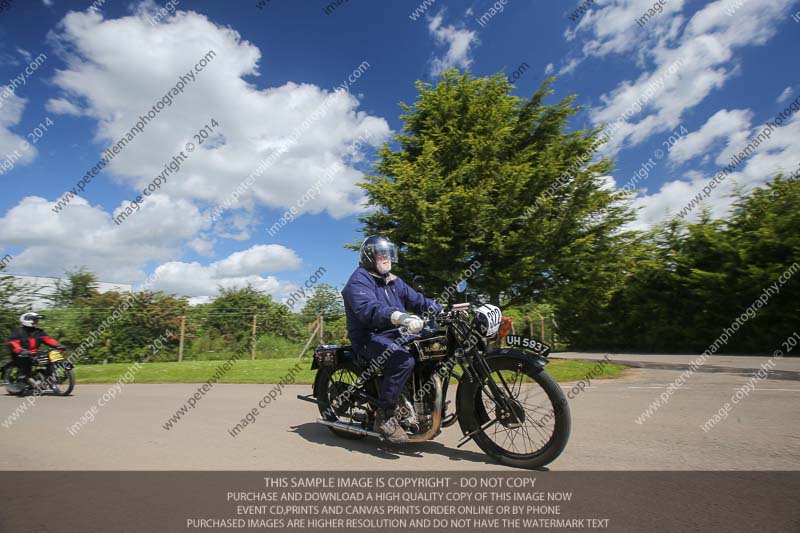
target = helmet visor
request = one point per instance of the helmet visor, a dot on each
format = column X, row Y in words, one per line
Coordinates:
column 383, row 250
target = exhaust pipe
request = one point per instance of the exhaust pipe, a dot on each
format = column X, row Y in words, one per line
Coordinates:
column 351, row 428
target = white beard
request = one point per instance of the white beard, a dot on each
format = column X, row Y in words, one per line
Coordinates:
column 384, row 267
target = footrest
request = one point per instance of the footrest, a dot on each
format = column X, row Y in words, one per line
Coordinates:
column 308, row 398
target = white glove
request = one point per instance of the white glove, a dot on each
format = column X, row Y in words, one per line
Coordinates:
column 412, row 322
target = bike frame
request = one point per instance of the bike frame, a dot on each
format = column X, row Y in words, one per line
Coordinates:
column 475, row 370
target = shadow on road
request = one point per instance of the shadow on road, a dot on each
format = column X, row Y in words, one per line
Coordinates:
column 48, row 394
column 318, row 434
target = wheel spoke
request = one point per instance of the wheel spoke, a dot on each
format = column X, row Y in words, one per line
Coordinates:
column 339, row 382
column 533, row 434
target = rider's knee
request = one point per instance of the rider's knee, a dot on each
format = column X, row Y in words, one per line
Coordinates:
column 408, row 362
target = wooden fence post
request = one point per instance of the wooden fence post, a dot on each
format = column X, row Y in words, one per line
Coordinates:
column 183, row 331
column 253, row 340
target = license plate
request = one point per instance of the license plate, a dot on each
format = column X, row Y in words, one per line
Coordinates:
column 56, row 356
column 535, row 346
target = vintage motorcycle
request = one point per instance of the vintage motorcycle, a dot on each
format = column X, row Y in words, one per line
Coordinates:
column 50, row 370
column 505, row 401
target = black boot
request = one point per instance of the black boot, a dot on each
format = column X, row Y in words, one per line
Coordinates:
column 388, row 426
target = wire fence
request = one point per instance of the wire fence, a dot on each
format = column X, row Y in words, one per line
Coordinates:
column 206, row 336
column 195, row 339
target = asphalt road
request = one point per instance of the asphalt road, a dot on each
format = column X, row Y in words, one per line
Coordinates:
column 761, row 432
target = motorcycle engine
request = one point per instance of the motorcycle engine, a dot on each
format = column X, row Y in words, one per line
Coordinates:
column 408, row 415
column 416, row 416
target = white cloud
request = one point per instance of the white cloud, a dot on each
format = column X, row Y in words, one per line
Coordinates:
column 457, row 41
column 785, row 95
column 732, row 125
column 611, row 27
column 549, row 69
column 117, row 69
column 237, row 270
column 12, row 145
column 569, row 67
column 201, row 246
column 258, row 259
column 85, row 235
column 47, row 2
column 779, row 153
column 607, row 183
column 705, row 44
column 24, row 53
column 62, row 106
column 670, row 199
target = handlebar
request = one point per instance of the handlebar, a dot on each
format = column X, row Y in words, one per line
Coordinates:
column 38, row 351
column 446, row 315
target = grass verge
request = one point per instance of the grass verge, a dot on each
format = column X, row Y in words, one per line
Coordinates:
column 272, row 370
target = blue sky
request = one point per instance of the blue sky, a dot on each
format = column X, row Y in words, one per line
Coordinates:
column 733, row 68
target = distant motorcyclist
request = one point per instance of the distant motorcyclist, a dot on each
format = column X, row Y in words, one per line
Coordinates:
column 375, row 303
column 27, row 339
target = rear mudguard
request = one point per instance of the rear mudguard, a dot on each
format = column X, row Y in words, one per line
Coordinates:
column 471, row 416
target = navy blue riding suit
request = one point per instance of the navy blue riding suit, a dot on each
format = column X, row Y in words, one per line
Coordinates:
column 369, row 301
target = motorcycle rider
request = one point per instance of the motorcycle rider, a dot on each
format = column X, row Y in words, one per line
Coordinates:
column 375, row 303
column 27, row 339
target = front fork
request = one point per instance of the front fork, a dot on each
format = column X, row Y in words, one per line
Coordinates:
column 476, row 369
column 507, row 409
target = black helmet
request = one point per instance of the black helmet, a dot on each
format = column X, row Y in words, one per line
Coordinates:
column 376, row 245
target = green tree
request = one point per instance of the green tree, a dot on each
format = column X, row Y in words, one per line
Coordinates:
column 230, row 315
column 15, row 299
column 765, row 226
column 686, row 282
column 79, row 287
column 480, row 174
column 151, row 315
column 326, row 301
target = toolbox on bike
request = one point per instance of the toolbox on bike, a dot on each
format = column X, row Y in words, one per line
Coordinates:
column 327, row 354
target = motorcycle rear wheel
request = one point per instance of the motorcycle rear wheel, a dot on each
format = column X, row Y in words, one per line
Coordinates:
column 330, row 383
column 11, row 379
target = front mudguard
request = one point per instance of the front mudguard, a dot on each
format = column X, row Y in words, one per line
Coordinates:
column 471, row 412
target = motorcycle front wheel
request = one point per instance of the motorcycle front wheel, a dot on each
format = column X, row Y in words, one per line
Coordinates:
column 534, row 430
column 62, row 380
